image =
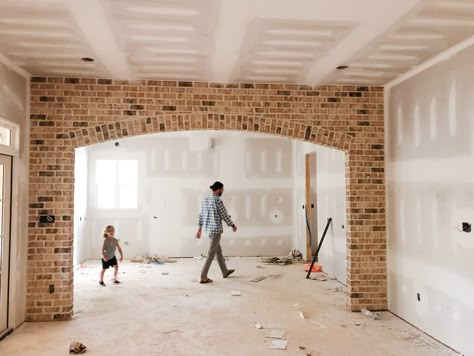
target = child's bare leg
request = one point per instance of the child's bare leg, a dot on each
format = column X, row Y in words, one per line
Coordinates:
column 101, row 281
column 115, row 272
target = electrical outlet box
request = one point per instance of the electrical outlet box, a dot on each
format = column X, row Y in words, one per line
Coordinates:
column 418, row 297
column 51, row 288
column 47, row 219
column 466, row 227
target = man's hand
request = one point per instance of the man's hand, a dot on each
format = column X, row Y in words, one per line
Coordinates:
column 198, row 234
column 121, row 258
column 234, row 228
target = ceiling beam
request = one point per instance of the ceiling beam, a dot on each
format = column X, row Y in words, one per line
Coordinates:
column 380, row 19
column 91, row 18
column 233, row 20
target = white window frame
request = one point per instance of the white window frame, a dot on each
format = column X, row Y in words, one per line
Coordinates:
column 14, row 147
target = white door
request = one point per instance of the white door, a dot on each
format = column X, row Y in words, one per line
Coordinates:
column 5, row 203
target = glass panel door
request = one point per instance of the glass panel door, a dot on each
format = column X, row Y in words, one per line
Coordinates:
column 5, row 203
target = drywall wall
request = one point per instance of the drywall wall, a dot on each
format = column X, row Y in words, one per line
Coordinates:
column 14, row 104
column 330, row 202
column 430, row 177
column 81, row 232
column 175, row 172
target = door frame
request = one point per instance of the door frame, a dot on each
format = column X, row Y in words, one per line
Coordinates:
column 7, row 162
column 311, row 204
column 18, row 229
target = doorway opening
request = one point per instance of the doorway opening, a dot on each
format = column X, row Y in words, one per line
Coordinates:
column 150, row 188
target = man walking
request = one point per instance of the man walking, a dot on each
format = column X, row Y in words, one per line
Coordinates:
column 211, row 215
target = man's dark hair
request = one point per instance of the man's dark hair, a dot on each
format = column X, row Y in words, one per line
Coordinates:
column 216, row 186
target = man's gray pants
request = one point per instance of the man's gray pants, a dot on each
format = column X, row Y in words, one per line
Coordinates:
column 214, row 249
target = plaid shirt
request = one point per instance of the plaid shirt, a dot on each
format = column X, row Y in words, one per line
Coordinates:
column 211, row 215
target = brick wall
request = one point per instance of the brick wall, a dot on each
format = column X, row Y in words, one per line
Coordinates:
column 71, row 112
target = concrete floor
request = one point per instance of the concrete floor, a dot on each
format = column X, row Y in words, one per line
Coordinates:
column 152, row 313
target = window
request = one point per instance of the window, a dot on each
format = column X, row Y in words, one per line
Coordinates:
column 5, row 136
column 117, row 184
column 9, row 137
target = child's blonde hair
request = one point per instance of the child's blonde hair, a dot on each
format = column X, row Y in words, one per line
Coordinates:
column 107, row 229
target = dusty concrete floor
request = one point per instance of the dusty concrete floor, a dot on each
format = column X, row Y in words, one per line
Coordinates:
column 152, row 313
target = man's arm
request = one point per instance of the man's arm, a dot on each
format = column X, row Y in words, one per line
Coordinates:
column 198, row 233
column 223, row 214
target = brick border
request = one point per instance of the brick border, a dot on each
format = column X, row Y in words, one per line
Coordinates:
column 53, row 140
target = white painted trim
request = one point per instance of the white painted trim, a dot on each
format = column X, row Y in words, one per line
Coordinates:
column 18, row 228
column 14, row 67
column 14, row 148
column 450, row 52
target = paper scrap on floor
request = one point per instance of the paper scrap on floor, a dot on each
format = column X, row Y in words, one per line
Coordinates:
column 276, row 334
column 311, row 321
column 270, row 325
column 279, row 344
column 236, row 293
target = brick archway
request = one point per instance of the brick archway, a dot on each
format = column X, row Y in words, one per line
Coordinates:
column 205, row 121
column 50, row 255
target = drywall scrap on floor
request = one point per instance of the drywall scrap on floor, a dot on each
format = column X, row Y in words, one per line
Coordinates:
column 146, row 258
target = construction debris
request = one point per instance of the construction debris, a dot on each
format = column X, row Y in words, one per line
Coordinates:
column 270, row 326
column 311, row 321
column 320, row 277
column 77, row 348
column 298, row 308
column 258, row 279
column 279, row 344
column 373, row 315
column 146, row 258
column 296, row 255
column 276, row 334
column 282, row 261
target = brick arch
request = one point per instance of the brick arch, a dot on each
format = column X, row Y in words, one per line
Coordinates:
column 67, row 113
column 208, row 121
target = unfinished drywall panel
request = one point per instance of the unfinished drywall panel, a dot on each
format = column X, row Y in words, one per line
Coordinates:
column 14, row 107
column 81, row 240
column 13, row 95
column 268, row 157
column 176, row 170
column 430, row 177
column 331, row 202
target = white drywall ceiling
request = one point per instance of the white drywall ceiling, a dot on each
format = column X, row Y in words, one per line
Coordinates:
column 287, row 41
